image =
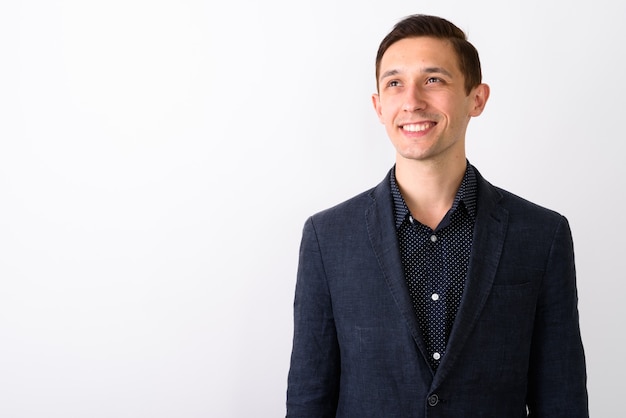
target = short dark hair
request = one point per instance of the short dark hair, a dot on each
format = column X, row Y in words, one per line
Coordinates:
column 436, row 27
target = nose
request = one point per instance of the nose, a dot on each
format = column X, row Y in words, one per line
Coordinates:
column 413, row 100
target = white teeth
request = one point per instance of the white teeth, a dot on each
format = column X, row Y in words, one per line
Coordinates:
column 418, row 127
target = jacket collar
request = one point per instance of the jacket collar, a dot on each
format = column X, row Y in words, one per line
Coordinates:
column 489, row 236
column 379, row 218
column 489, row 233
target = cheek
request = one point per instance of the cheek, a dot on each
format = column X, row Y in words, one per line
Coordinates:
column 387, row 111
column 381, row 113
column 385, row 118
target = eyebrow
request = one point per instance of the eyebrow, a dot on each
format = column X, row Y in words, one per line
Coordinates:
column 427, row 70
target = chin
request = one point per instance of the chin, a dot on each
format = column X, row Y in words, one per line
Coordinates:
column 415, row 154
column 414, row 157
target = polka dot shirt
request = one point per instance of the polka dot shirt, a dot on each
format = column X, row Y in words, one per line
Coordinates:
column 435, row 262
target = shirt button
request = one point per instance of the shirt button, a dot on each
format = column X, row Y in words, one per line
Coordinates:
column 435, row 296
column 433, row 400
column 436, row 356
column 433, row 238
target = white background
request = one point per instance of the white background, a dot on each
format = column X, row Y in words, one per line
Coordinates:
column 159, row 158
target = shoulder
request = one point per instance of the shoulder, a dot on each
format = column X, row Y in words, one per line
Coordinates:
column 353, row 210
column 518, row 207
column 518, row 204
column 342, row 217
column 348, row 207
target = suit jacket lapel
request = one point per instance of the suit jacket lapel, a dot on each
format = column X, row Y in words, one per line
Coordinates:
column 489, row 234
column 379, row 219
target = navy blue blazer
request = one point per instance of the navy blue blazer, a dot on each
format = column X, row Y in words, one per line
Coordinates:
column 515, row 348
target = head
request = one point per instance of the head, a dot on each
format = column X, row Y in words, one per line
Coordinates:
column 429, row 86
column 436, row 27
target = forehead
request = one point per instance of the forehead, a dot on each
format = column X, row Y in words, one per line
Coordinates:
column 420, row 51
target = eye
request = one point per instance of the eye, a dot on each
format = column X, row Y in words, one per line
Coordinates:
column 433, row 80
column 393, row 83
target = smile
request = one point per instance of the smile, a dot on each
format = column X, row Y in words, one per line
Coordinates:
column 418, row 127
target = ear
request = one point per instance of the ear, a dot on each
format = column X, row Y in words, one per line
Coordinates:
column 377, row 106
column 479, row 97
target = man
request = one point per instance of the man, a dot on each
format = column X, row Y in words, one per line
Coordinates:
column 435, row 294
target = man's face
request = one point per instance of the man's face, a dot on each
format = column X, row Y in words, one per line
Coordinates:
column 422, row 99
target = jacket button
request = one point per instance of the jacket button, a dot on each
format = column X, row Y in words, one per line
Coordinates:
column 433, row 400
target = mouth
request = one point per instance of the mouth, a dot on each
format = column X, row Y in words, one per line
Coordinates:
column 418, row 127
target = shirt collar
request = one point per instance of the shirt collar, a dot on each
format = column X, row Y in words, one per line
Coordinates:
column 466, row 194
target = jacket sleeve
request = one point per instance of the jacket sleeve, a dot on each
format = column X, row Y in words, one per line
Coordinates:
column 313, row 380
column 557, row 376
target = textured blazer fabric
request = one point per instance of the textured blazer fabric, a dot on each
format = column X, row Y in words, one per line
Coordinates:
column 514, row 350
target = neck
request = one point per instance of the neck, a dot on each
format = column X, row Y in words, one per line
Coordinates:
column 429, row 188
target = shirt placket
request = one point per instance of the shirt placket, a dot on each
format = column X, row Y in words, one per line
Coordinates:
column 435, row 300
